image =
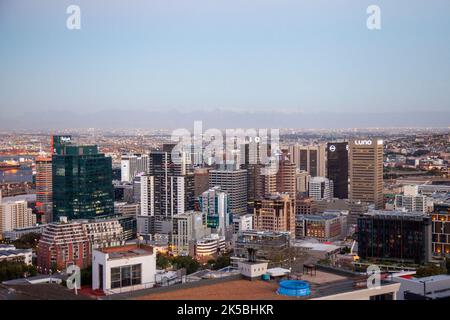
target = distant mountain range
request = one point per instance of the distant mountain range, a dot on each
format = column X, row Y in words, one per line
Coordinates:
column 221, row 119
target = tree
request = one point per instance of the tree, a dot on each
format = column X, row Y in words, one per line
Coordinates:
column 162, row 261
column 27, row 241
column 15, row 270
column 187, row 262
column 222, row 262
column 429, row 270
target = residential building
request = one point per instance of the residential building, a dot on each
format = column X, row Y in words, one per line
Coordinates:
column 104, row 233
column 44, row 187
column 15, row 214
column 63, row 244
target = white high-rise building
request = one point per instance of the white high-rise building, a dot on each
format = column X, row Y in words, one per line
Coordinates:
column 15, row 214
column 133, row 164
column 215, row 209
column 320, row 188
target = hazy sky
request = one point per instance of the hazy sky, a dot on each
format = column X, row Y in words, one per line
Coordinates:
column 291, row 55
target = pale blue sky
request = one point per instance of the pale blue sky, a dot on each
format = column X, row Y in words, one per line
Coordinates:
column 292, row 55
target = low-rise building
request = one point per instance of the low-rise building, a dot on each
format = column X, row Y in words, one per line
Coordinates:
column 123, row 269
column 15, row 234
column 9, row 253
column 210, row 245
column 63, row 244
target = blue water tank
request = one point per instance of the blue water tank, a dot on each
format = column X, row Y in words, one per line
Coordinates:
column 294, row 288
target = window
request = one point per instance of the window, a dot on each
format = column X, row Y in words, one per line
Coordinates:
column 126, row 276
column 115, row 278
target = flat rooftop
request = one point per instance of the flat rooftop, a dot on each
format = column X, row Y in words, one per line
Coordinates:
column 321, row 284
column 128, row 251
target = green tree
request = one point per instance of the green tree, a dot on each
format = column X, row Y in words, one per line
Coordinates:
column 162, row 261
column 222, row 262
column 27, row 241
column 187, row 262
column 429, row 270
column 15, row 270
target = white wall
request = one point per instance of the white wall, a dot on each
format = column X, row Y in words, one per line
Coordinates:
column 148, row 267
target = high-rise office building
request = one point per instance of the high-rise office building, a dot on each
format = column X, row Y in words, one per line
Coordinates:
column 320, row 188
column 337, row 168
column 234, row 183
column 395, row 236
column 58, row 142
column 133, row 164
column 82, row 183
column 275, row 213
column 44, row 187
column 310, row 159
column 214, row 205
column 366, row 171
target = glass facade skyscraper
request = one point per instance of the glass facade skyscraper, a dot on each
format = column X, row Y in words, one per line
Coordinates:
column 337, row 168
column 82, row 183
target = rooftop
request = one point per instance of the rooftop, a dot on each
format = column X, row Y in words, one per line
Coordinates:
column 235, row 288
column 127, row 251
